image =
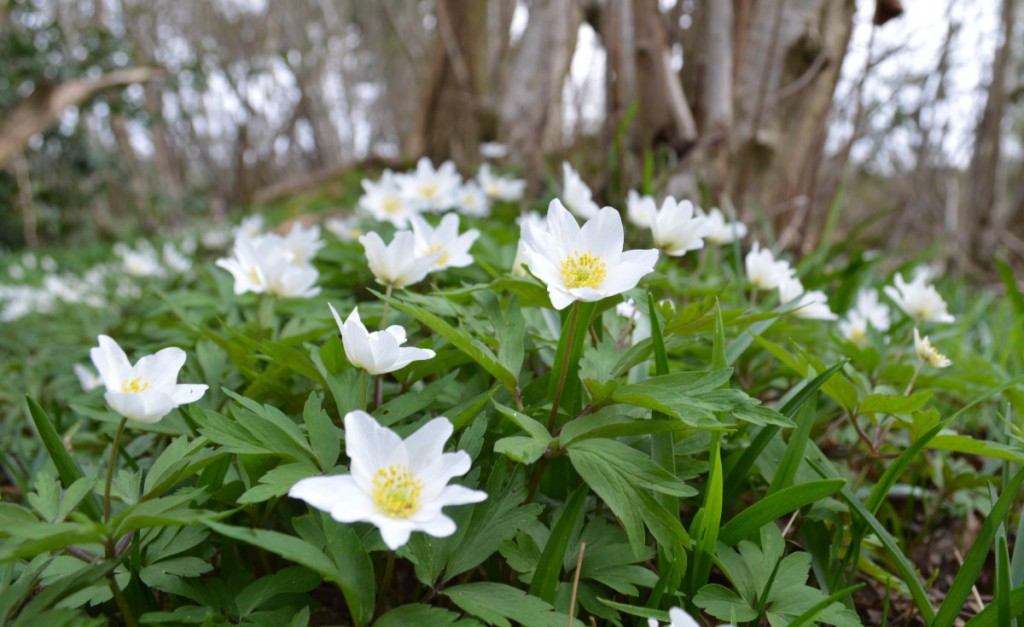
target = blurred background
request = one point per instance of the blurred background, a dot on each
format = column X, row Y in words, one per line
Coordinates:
column 898, row 123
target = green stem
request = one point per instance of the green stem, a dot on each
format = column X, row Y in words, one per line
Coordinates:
column 384, row 313
column 564, row 366
column 110, row 469
column 913, row 379
column 362, row 389
column 385, row 587
column 122, row 602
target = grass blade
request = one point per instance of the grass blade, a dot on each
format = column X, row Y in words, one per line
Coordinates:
column 549, row 567
column 787, row 500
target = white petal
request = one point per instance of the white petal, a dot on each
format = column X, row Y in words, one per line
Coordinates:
column 560, row 298
column 385, row 352
column 324, row 492
column 461, row 495
column 161, row 370
column 397, row 331
column 563, row 227
column 128, row 405
column 370, row 446
column 439, row 526
column 427, row 444
column 394, row 533
column 337, row 318
column 110, row 362
column 157, row 406
column 603, row 236
column 188, row 393
column 410, row 354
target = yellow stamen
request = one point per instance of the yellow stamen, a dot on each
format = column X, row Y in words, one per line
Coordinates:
column 583, row 270
column 429, row 189
column 396, row 491
column 438, row 248
column 392, row 204
column 134, row 386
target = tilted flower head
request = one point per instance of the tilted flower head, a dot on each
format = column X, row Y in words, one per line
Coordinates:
column 854, row 327
column 677, row 618
column 808, row 305
column 471, row 200
column 722, row 232
column 147, row 391
column 444, row 242
column 576, row 194
column 503, row 188
column 302, row 243
column 764, row 272
column 866, row 312
column 250, row 226
column 428, row 189
column 919, row 300
column 928, row 353
column 384, row 200
column 345, row 229
column 396, row 265
column 676, row 229
column 377, row 352
column 398, row 485
column 640, row 209
column 174, row 259
column 586, row 263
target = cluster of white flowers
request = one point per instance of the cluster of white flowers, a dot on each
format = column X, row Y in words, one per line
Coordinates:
column 398, row 197
column 680, row 226
column 280, row 265
column 412, row 255
column 765, row 272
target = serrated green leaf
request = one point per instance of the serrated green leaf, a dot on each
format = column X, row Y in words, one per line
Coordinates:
column 497, row 604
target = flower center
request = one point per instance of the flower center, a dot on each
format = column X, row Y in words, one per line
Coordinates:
column 134, row 386
column 392, row 204
column 583, row 270
column 396, row 491
column 429, row 189
column 438, row 248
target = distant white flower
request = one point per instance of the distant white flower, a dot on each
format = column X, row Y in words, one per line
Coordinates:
column 400, row 486
column 640, row 209
column 147, row 391
column 174, row 259
column 87, row 378
column 813, row 305
column 676, row 229
column 141, row 262
column 346, row 229
column 384, row 201
column 16, row 271
column 30, row 261
column 722, row 232
column 919, row 300
column 764, row 272
column 471, row 200
column 869, row 307
column 576, row 195
column 790, row 288
column 583, row 264
column 377, row 352
column 251, row 226
column 444, row 242
column 493, row 150
column 396, row 264
column 854, row 327
column 503, row 188
column 48, row 264
column 428, row 189
column 928, row 353
column 216, row 238
column 266, row 264
column 302, row 243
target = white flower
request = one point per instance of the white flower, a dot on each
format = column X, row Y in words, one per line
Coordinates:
column 428, row 189
column 790, row 288
column 266, row 264
column 142, row 262
column 471, row 200
column 866, row 312
column 503, row 188
column 927, row 353
column 147, row 391
column 398, row 485
column 174, row 259
column 377, row 352
column 48, row 264
column 87, row 378
column 216, row 238
column 677, row 618
column 675, row 228
column 17, row 272
column 764, row 272
column 345, row 229
column 384, row 201
column 493, row 150
column 576, row 195
column 251, row 226
column 585, row 263
column 302, row 243
column 396, row 264
column 450, row 249
column 640, row 209
column 722, row 232
column 813, row 305
column 919, row 300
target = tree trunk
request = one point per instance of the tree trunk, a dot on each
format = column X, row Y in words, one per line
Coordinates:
column 531, row 109
column 792, row 55
column 979, row 207
column 451, row 107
